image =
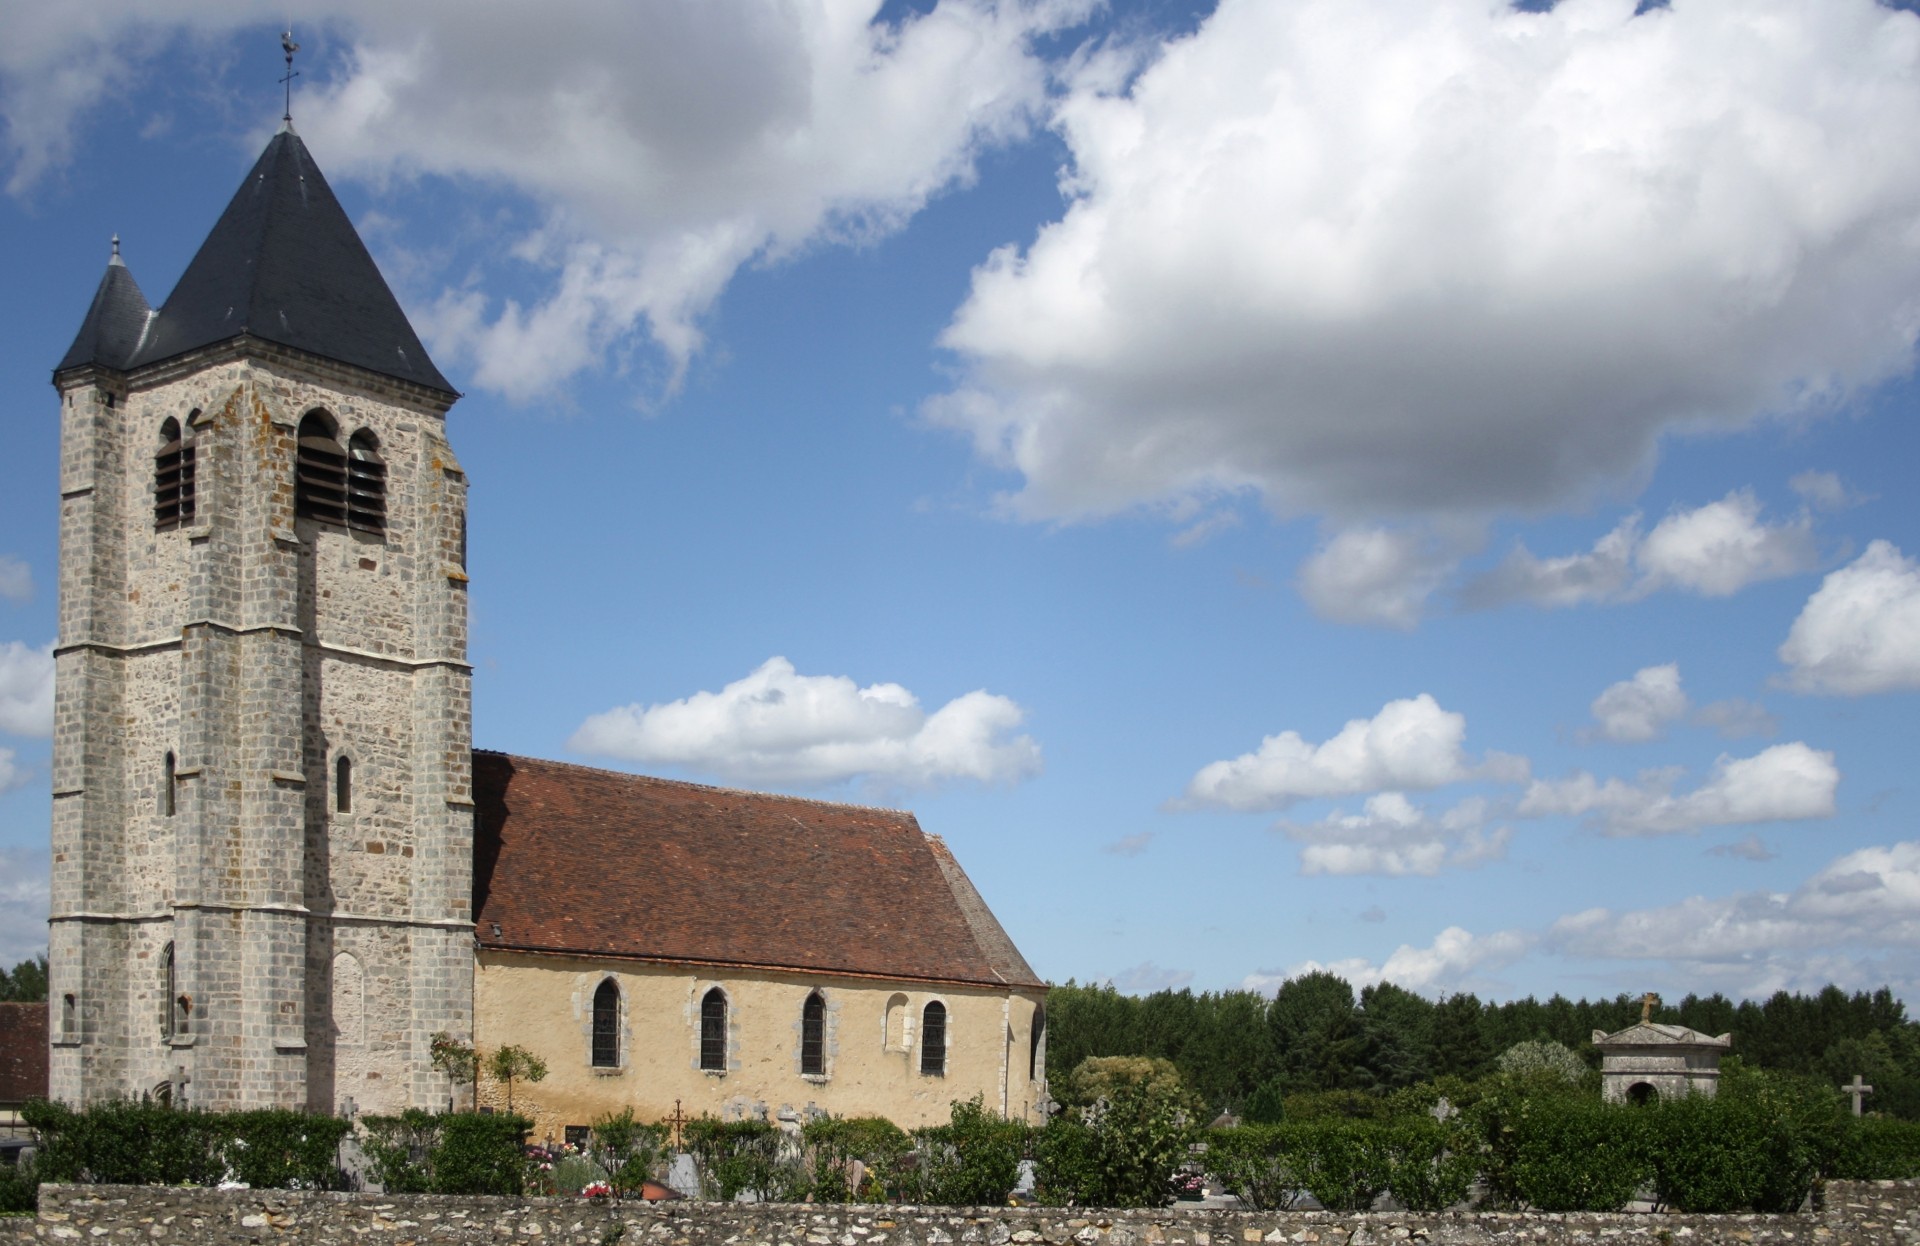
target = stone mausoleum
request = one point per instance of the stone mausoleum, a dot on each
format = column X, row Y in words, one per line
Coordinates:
column 281, row 870
column 1648, row 1060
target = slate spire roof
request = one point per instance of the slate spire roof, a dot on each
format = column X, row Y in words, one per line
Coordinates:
column 110, row 334
column 282, row 264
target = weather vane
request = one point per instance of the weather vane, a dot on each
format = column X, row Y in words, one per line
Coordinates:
column 287, row 43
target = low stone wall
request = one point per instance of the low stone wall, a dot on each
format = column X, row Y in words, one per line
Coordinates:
column 1856, row 1213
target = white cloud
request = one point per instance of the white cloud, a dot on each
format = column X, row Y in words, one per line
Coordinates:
column 1860, row 631
column 1602, row 574
column 1752, row 848
column 1736, row 717
column 1381, row 576
column 778, row 726
column 1824, row 491
column 1830, row 929
column 1130, row 845
column 12, row 774
column 16, row 579
column 1639, row 709
column 1722, row 547
column 1784, row 783
column 1392, row 836
column 1147, row 977
column 1714, row 550
column 25, row 891
column 26, row 689
column 1443, row 256
column 1410, row 744
column 1447, row 963
column 664, row 145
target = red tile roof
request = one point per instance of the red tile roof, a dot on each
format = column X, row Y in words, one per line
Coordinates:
column 23, row 1053
column 592, row 862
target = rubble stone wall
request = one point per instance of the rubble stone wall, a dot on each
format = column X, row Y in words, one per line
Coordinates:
column 1853, row 1213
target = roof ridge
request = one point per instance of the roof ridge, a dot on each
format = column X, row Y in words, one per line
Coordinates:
column 708, row 787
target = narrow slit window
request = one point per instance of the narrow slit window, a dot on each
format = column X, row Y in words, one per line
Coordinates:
column 813, row 1036
column 933, row 1040
column 1036, row 1043
column 606, row 1026
column 173, row 478
column 69, row 1017
column 172, row 991
column 366, row 484
column 320, row 472
column 713, row 1031
column 169, row 780
column 343, row 785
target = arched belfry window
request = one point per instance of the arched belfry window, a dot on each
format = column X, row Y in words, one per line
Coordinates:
column 813, row 1036
column 343, row 785
column 606, row 1026
column 320, row 472
column 366, row 484
column 713, row 1031
column 173, row 478
column 933, row 1039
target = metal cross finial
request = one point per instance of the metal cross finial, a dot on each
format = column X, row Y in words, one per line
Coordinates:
column 290, row 47
column 1859, row 1090
column 678, row 1119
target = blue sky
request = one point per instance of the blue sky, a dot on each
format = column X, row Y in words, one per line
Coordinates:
column 1420, row 489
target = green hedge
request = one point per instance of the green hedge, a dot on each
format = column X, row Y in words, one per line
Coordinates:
column 420, row 1152
column 127, row 1142
column 1878, row 1149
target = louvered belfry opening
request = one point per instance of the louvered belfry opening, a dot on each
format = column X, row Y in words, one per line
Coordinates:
column 366, row 484
column 320, row 472
column 813, row 1036
column 173, row 479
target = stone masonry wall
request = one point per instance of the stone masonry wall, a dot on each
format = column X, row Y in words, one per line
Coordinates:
column 1854, row 1214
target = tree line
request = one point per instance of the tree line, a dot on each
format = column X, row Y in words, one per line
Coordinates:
column 1317, row 1035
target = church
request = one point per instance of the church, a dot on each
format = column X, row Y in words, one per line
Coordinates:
column 282, row 871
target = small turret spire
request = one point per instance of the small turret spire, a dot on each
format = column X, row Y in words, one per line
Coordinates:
column 115, row 258
column 290, row 47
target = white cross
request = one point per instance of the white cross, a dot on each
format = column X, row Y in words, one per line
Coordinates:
column 1859, row 1091
column 1443, row 1111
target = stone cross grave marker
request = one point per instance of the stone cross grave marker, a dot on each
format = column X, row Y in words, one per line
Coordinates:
column 1859, row 1090
column 1443, row 1111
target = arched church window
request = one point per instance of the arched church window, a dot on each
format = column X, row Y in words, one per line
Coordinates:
column 1036, row 1043
column 168, row 781
column 813, row 1036
column 896, row 1037
column 366, row 484
column 606, row 1026
column 713, row 1031
column 320, row 472
column 173, row 477
column 933, row 1040
column 343, row 785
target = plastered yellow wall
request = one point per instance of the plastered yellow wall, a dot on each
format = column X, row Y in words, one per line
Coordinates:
column 545, row 1004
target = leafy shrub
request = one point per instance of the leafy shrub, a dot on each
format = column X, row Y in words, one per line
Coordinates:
column 127, row 1142
column 1267, row 1105
column 400, row 1149
column 1876, row 1148
column 1542, row 1057
column 1119, row 1153
column 737, row 1156
column 279, row 1148
column 972, row 1161
column 1346, row 1165
column 626, row 1149
column 480, row 1154
column 1723, row 1155
column 19, row 1188
column 1578, row 1154
column 834, row 1144
column 1431, row 1166
column 1255, row 1165
column 1335, row 1105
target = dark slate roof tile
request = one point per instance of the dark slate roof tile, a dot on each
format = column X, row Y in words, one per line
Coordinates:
column 115, row 321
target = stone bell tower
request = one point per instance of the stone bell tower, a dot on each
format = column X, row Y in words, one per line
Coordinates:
column 263, row 823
